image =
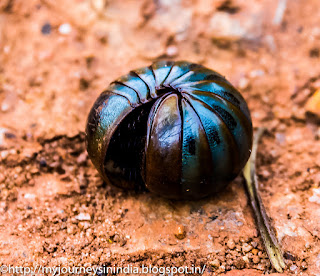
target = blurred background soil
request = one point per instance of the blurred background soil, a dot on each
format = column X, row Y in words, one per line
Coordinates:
column 57, row 56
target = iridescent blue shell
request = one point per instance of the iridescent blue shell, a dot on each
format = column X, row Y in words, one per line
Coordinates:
column 177, row 128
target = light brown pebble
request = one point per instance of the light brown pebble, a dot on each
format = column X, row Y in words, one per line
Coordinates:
column 240, row 264
column 246, row 247
column 180, row 233
column 89, row 233
column 243, row 83
column 255, row 251
column 293, row 267
column 260, row 267
column 256, row 259
column 82, row 158
column 83, row 217
column 215, row 263
column 246, row 259
column 222, row 268
column 231, row 244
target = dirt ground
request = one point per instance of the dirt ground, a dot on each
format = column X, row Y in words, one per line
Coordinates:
column 57, row 56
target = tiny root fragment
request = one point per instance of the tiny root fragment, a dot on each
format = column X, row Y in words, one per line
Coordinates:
column 266, row 231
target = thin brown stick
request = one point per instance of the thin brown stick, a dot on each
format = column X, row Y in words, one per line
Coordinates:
column 266, row 231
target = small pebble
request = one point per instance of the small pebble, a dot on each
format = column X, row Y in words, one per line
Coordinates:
column 65, row 29
column 240, row 263
column 246, row 259
column 82, row 158
column 172, row 50
column 246, row 247
column 293, row 267
column 260, row 267
column 243, row 83
column 29, row 196
column 83, row 216
column 231, row 244
column 46, row 29
column 215, row 263
column 43, row 162
column 316, row 196
column 5, row 107
column 255, row 259
column 180, row 233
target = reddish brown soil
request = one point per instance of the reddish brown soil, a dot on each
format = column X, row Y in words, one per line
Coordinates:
column 54, row 207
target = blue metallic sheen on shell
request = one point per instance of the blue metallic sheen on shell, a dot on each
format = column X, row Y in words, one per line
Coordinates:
column 194, row 126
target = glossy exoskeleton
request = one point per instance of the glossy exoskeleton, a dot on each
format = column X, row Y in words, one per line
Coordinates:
column 177, row 128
